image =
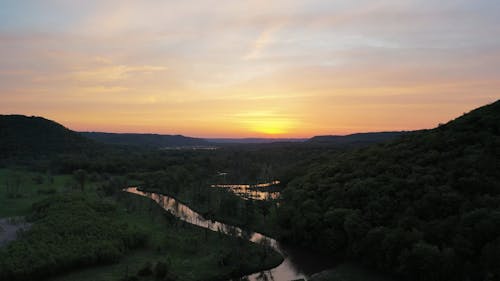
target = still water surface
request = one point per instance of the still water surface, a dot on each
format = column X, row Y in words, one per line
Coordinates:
column 297, row 263
column 251, row 191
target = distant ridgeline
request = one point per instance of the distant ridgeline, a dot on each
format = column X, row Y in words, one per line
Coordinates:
column 30, row 136
column 425, row 206
column 36, row 136
column 145, row 140
column 357, row 139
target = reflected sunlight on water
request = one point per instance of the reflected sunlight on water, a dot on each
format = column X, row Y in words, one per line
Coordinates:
column 287, row 270
column 251, row 191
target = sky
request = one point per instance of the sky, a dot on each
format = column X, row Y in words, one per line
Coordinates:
column 248, row 68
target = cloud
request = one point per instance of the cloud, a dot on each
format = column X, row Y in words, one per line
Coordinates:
column 113, row 73
column 314, row 62
column 265, row 38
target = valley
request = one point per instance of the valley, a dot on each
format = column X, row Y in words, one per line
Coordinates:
column 279, row 211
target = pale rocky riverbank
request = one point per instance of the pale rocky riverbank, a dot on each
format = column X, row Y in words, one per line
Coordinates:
column 9, row 228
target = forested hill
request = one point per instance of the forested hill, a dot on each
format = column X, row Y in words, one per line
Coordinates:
column 145, row 140
column 424, row 207
column 36, row 136
column 357, row 139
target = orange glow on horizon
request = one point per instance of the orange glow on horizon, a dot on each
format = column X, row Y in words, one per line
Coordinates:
column 241, row 69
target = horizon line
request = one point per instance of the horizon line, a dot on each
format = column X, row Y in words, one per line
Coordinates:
column 252, row 137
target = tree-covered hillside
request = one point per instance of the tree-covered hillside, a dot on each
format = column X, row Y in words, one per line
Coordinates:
column 23, row 136
column 145, row 140
column 356, row 139
column 424, row 207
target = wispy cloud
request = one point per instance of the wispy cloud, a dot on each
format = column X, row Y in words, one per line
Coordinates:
column 265, row 38
column 113, row 72
column 225, row 65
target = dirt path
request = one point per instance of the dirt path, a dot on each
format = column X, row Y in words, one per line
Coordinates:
column 9, row 228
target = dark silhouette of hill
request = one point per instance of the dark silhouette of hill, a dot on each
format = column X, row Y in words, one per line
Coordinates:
column 357, row 139
column 425, row 206
column 36, row 136
column 145, row 140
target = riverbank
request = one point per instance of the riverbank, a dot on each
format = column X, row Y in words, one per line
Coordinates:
column 298, row 264
column 9, row 228
column 180, row 246
column 350, row 272
column 260, row 226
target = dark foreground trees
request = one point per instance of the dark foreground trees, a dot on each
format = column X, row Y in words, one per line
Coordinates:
column 69, row 232
column 425, row 207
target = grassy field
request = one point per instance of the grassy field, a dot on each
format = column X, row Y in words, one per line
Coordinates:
column 190, row 253
column 20, row 189
column 350, row 272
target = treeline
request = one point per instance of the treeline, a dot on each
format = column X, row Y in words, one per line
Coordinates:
column 242, row 163
column 68, row 232
column 425, row 207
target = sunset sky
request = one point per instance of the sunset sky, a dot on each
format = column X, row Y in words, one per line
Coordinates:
column 248, row 68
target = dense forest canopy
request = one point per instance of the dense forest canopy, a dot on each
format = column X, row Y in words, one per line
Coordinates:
column 424, row 207
column 359, row 138
column 69, row 232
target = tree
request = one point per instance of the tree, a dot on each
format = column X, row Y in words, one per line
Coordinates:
column 13, row 185
column 160, row 270
column 80, row 177
column 422, row 262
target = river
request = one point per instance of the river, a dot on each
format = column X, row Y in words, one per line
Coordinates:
column 297, row 264
column 251, row 191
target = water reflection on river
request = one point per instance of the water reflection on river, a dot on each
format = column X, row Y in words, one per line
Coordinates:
column 297, row 263
column 252, row 191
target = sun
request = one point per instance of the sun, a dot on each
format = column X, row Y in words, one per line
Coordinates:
column 268, row 123
column 271, row 126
